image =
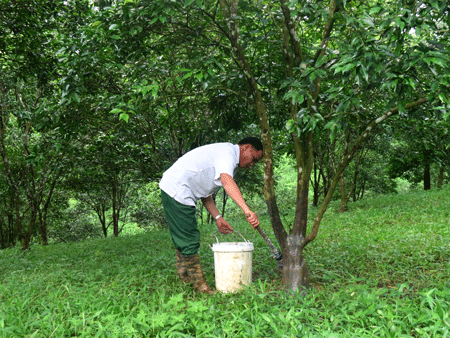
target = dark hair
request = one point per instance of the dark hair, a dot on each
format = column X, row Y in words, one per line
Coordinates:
column 253, row 141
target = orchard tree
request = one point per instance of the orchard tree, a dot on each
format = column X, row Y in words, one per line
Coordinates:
column 335, row 62
column 422, row 140
column 32, row 148
column 105, row 176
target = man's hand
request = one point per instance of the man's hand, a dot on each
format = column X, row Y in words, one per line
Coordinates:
column 223, row 226
column 252, row 218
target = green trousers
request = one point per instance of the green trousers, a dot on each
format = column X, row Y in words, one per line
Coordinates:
column 182, row 225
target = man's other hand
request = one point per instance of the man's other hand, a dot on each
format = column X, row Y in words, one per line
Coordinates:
column 223, row 226
column 252, row 218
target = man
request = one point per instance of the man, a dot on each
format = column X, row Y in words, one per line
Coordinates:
column 197, row 175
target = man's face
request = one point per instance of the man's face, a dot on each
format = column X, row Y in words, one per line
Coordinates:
column 249, row 156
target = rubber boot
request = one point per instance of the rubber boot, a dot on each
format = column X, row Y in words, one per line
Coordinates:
column 195, row 272
column 182, row 267
column 190, row 271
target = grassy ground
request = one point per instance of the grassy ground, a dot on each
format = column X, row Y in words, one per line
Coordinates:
column 379, row 270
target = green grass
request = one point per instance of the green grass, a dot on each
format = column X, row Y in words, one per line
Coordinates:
column 379, row 270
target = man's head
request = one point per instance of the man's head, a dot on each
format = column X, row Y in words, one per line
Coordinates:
column 250, row 151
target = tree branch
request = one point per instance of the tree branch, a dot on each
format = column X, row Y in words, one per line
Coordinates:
column 346, row 160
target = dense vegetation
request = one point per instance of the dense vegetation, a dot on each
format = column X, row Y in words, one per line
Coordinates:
column 98, row 98
column 379, row 270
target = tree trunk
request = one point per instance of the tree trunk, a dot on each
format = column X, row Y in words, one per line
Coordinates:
column 7, row 232
column 3, row 231
column 295, row 269
column 12, row 234
column 43, row 228
column 345, row 197
column 427, row 177
column 115, row 209
column 343, row 207
column 275, row 220
column 225, row 198
column 25, row 236
column 116, row 223
column 101, row 213
column 316, row 186
column 45, row 206
column 325, row 182
column 440, row 182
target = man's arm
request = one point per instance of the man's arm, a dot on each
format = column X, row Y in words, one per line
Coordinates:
column 223, row 226
column 233, row 191
column 209, row 204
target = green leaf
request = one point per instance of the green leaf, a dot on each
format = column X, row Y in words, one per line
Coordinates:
column 332, row 95
column 155, row 91
column 199, row 76
column 364, row 72
column 200, row 4
column 295, row 96
column 187, row 75
column 124, row 116
column 443, row 98
column 62, row 50
column 400, row 23
column 375, row 10
column 368, row 20
column 188, row 3
column 113, row 27
column 320, row 61
column 76, row 97
column 290, row 124
column 438, row 61
column 116, row 111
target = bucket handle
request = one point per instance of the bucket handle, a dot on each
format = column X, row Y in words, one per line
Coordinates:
column 233, row 231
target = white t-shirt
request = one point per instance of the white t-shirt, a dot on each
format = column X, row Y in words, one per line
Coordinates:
column 196, row 174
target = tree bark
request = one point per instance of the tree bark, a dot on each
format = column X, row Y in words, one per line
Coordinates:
column 115, row 211
column 3, row 231
column 25, row 236
column 343, row 207
column 43, row 229
column 295, row 269
column 224, row 202
column 427, row 176
column 440, row 182
column 43, row 211
column 316, row 185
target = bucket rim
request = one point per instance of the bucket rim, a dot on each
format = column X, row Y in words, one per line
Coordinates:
column 218, row 232
column 232, row 247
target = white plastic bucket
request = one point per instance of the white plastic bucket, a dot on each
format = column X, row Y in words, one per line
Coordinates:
column 233, row 265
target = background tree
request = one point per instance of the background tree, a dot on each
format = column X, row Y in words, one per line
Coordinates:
column 421, row 141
